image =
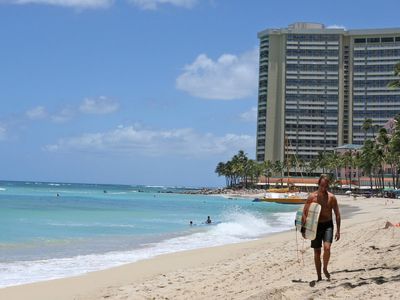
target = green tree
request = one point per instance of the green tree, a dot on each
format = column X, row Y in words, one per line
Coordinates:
column 267, row 169
column 366, row 126
column 368, row 160
column 347, row 161
column 393, row 154
column 278, row 168
column 221, row 171
column 322, row 161
column 333, row 163
column 382, row 148
column 395, row 84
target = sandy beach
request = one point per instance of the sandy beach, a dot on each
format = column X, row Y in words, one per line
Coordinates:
column 364, row 264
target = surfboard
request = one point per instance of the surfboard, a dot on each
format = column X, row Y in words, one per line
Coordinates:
column 311, row 220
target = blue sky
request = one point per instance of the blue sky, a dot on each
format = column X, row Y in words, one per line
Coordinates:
column 141, row 91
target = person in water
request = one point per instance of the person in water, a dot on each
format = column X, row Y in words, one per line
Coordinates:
column 208, row 221
column 325, row 228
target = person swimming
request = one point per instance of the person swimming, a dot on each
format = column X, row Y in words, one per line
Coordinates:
column 208, row 221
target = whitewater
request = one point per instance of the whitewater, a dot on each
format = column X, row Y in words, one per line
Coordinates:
column 56, row 230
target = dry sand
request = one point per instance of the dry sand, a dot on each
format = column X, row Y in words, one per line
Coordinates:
column 365, row 264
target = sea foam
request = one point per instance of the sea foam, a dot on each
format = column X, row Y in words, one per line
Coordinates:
column 234, row 226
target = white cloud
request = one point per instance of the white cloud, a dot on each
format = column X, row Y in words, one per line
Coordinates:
column 67, row 3
column 36, row 113
column 229, row 77
column 134, row 140
column 101, row 105
column 3, row 132
column 154, row 4
column 93, row 4
column 250, row 115
column 63, row 115
column 334, row 26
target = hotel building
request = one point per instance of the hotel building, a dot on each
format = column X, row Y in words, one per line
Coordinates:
column 317, row 85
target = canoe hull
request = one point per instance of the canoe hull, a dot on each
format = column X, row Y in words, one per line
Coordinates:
column 284, row 200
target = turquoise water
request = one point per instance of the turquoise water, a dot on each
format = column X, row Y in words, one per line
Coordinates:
column 53, row 230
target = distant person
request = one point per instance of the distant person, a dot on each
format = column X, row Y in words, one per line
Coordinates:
column 58, row 195
column 390, row 224
column 324, row 236
column 191, row 223
column 208, row 221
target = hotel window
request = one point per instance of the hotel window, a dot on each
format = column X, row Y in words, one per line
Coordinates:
column 373, row 40
column 359, row 41
column 387, row 40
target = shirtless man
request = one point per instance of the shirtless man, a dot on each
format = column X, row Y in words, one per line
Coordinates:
column 328, row 203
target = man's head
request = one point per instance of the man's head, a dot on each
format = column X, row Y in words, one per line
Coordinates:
column 323, row 183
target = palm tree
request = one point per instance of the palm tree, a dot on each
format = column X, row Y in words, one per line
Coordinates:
column 366, row 126
column 221, row 171
column 312, row 166
column 395, row 84
column 333, row 162
column 357, row 165
column 347, row 158
column 250, row 171
column 382, row 150
column 393, row 150
column 301, row 165
column 229, row 172
column 258, row 170
column 278, row 168
column 240, row 160
column 267, row 167
column 374, row 128
column 367, row 159
column 322, row 161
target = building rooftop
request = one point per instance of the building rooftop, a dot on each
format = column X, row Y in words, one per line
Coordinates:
column 318, row 28
column 349, row 147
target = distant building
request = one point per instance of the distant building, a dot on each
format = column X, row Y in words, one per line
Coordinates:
column 317, row 85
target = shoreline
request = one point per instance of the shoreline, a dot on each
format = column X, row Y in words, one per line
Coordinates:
column 166, row 275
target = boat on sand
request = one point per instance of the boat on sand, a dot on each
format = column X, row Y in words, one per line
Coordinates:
column 284, row 196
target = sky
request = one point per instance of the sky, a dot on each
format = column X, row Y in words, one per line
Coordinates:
column 152, row 92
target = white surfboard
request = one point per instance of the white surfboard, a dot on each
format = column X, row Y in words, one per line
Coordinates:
column 311, row 224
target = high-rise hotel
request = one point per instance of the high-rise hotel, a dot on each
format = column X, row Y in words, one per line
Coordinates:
column 317, row 85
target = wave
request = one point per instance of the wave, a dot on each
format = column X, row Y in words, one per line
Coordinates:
column 286, row 219
column 95, row 225
column 156, row 186
column 234, row 225
column 117, row 193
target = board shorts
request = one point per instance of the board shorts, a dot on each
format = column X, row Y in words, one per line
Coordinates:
column 324, row 233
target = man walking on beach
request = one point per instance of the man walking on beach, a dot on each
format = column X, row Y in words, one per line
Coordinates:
column 324, row 236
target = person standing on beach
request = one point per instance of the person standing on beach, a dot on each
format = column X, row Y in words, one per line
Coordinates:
column 324, row 236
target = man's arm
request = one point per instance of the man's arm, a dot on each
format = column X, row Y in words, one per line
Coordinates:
column 335, row 207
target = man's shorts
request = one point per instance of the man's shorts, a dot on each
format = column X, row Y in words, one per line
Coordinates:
column 324, row 233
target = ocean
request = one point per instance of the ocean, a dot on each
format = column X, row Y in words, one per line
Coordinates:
column 56, row 230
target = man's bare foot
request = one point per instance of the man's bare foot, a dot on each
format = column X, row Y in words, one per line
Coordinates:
column 327, row 275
